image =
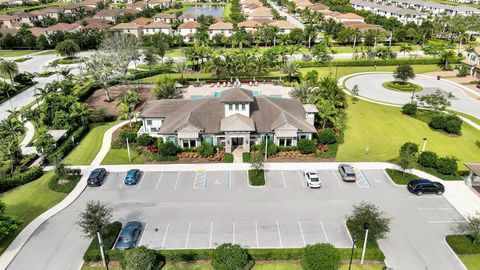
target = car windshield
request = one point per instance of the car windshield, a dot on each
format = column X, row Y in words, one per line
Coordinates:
column 123, row 239
column 314, row 179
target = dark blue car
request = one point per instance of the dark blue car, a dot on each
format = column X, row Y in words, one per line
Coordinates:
column 132, row 177
column 129, row 235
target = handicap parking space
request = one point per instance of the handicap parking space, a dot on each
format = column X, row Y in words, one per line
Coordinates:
column 219, row 180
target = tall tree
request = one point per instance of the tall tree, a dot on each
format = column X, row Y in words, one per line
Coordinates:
column 8, row 68
column 67, row 48
column 403, row 73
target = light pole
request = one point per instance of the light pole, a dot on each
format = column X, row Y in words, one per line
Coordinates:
column 354, row 240
column 102, row 252
column 266, row 146
column 128, row 150
column 364, row 242
column 424, row 144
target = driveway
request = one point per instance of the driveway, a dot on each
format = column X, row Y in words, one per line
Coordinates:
column 203, row 209
column 370, row 86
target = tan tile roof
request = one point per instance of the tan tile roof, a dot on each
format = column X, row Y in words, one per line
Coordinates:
column 189, row 25
column 188, row 15
column 127, row 26
column 98, row 26
column 159, row 1
column 283, row 24
column 62, row 27
column 5, row 17
column 158, row 25
column 318, row 6
column 108, row 13
column 349, row 16
column 137, row 4
column 221, row 26
column 477, row 50
column 165, row 16
column 261, row 11
column 249, row 24
column 142, row 21
column 37, row 31
column 263, row 21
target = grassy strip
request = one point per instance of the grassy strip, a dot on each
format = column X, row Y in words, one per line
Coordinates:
column 29, row 201
column 227, row 11
column 402, row 87
column 399, row 177
column 463, row 246
column 30, row 8
column 120, row 156
column 88, row 148
column 15, row 53
column 256, row 178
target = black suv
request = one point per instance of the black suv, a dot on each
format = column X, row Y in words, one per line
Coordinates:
column 423, row 186
column 96, row 177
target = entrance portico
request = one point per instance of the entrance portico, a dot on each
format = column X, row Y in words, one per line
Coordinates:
column 235, row 140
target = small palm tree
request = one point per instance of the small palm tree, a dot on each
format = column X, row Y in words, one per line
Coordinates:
column 181, row 67
column 166, row 89
column 301, row 91
column 327, row 112
column 291, row 69
column 8, row 68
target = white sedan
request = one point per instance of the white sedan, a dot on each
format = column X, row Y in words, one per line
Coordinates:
column 313, row 181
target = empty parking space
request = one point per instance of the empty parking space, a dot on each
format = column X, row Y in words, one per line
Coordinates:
column 168, row 180
column 114, row 180
column 275, row 179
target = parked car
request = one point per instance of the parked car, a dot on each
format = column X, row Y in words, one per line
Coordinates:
column 129, row 235
column 96, row 177
column 132, row 177
column 313, row 181
column 347, row 173
column 424, row 186
column 478, row 84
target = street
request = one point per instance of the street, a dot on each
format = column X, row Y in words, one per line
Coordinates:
column 202, row 209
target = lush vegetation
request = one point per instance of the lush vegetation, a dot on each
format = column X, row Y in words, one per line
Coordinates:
column 402, row 87
column 399, row 177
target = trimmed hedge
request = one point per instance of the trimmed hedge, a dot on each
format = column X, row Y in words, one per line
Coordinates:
column 20, row 178
column 64, row 149
column 65, row 188
column 462, row 244
column 246, row 157
column 109, row 236
column 256, row 179
column 373, row 62
column 228, row 158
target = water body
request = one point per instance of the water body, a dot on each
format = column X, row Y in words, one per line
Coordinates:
column 207, row 10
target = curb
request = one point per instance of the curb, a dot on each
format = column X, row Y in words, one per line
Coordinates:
column 454, row 254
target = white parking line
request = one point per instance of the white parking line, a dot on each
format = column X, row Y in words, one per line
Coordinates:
column 256, row 234
column 211, row 235
column 141, row 238
column 433, row 208
column 447, row 221
column 301, row 232
column 233, row 230
column 141, row 181
column 121, row 184
column 176, row 182
column 159, row 180
column 188, row 234
column 336, row 177
column 301, row 178
column 279, row 235
column 165, row 236
column 324, row 232
column 284, row 182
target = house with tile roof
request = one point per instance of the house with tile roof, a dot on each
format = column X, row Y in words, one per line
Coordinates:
column 139, row 5
column 159, row 3
column 260, row 13
column 130, row 28
column 165, row 18
column 188, row 17
column 472, row 62
column 222, row 28
column 349, row 17
column 157, row 27
column 187, row 30
column 142, row 21
column 62, row 27
column 9, row 20
column 250, row 25
column 284, row 26
column 237, row 118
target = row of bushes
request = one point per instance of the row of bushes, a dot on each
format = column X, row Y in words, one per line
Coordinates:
column 66, row 187
column 20, row 178
column 374, row 62
column 64, row 149
column 449, row 123
column 443, row 165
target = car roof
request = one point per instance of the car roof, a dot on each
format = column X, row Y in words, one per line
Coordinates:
column 133, row 224
column 421, row 181
column 311, row 172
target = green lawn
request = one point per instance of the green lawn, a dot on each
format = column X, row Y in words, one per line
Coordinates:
column 446, row 2
column 14, row 53
column 27, row 8
column 29, row 201
column 469, row 117
column 155, row 78
column 227, row 10
column 472, row 262
column 88, row 148
column 120, row 156
column 383, row 129
column 48, row 52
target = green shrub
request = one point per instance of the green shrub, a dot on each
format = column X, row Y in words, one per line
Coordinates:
column 228, row 158
column 272, row 148
column 400, row 177
column 409, row 147
column 462, row 244
column 374, row 62
column 327, row 136
column 231, row 257
column 321, row 256
column 205, row 149
column 246, row 157
column 109, row 235
column 19, row 179
column 453, row 124
column 67, row 187
column 410, row 108
column 446, row 165
column 438, row 122
column 142, row 258
column 256, row 178
column 306, row 146
column 428, row 159
column 167, row 149
column 287, row 148
column 67, row 146
column 145, row 140
column 124, row 134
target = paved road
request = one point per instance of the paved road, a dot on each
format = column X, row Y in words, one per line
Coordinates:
column 291, row 19
column 370, row 86
column 202, row 209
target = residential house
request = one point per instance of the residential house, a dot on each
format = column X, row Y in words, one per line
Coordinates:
column 165, row 18
column 9, row 20
column 93, row 24
column 222, row 28
column 250, row 25
column 284, row 26
column 92, row 3
column 159, row 3
column 157, row 27
column 71, row 8
column 317, row 7
column 28, row 18
column 113, row 14
column 130, row 28
column 37, row 31
column 260, row 13
column 349, row 17
column 140, row 5
column 472, row 62
column 62, row 27
column 237, row 119
column 142, row 21
column 187, row 30
column 363, row 27
column 401, row 14
column 188, row 17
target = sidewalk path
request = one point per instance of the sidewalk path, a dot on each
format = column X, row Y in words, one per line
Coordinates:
column 29, row 133
column 291, row 19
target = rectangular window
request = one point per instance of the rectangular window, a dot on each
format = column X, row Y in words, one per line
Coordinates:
column 243, row 106
column 149, row 122
column 288, row 142
column 193, row 143
column 230, row 106
column 153, row 129
column 281, row 142
column 237, row 106
column 185, row 143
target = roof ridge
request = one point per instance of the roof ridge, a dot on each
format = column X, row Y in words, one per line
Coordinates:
column 283, row 111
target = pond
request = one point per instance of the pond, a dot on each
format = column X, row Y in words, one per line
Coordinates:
column 207, row 10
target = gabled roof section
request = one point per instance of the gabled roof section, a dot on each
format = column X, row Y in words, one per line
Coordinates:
column 189, row 25
column 189, row 119
column 282, row 119
column 237, row 95
column 237, row 122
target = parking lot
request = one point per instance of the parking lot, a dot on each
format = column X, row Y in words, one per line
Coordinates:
column 203, row 209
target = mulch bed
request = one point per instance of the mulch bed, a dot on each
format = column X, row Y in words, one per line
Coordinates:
column 98, row 99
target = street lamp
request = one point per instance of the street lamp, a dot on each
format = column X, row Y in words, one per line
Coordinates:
column 354, row 240
column 365, row 226
column 424, row 144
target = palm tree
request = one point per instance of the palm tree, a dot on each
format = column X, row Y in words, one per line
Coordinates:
column 301, row 91
column 356, row 34
column 326, row 112
column 65, row 72
column 311, row 32
column 166, row 89
column 405, row 48
column 181, row 67
column 8, row 68
column 446, row 58
column 81, row 112
column 54, row 65
column 11, row 126
column 291, row 69
column 328, row 89
column 6, row 89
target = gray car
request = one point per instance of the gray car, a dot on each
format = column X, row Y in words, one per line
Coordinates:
column 347, row 173
column 129, row 235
